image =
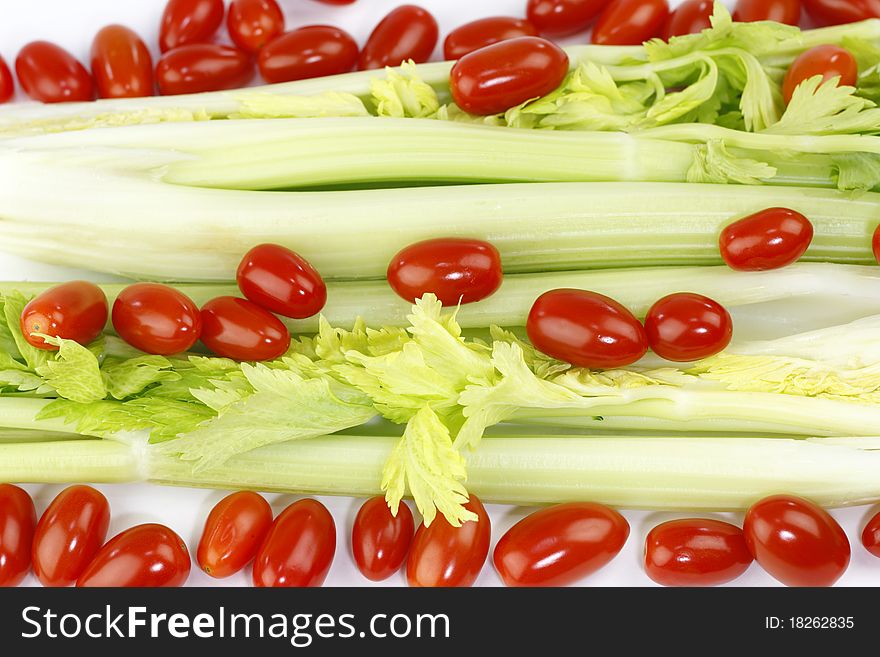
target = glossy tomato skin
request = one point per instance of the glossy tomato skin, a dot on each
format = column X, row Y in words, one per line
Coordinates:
column 871, row 536
column 281, row 281
column 121, row 64
column 456, row 270
column 690, row 17
column 7, row 84
column 299, row 548
column 157, row 319
column 202, row 67
column 559, row 18
column 17, row 521
column 379, row 540
column 50, row 74
column 796, row 541
column 586, row 329
column 559, row 545
column 254, row 23
column 242, row 330
column 781, row 11
column 484, row 32
column 769, row 239
column 696, row 552
column 407, row 32
column 234, row 531
column 442, row 555
column 495, row 78
column 630, row 22
column 73, row 311
column 838, row 12
column 829, row 61
column 685, row 327
column 875, row 244
column 69, row 535
column 186, row 22
column 308, row 52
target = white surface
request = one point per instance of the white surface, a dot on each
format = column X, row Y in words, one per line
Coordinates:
column 72, row 25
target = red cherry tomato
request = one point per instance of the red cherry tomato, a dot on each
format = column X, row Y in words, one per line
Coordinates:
column 559, row 18
column 871, row 536
column 796, row 541
column 781, row 11
column 586, row 329
column 769, row 239
column 156, row 319
column 121, row 64
column 696, row 552
column 630, row 22
column 443, row 555
column 202, row 67
column 484, row 32
column 282, row 281
column 559, row 545
column 838, row 12
column 828, row 61
column 379, row 540
column 143, row 556
column 456, row 270
column 234, row 531
column 875, row 244
column 690, row 17
column 7, row 85
column 684, row 327
column 408, row 32
column 495, row 78
column 309, row 52
column 17, row 521
column 254, row 23
column 69, row 535
column 189, row 21
column 50, row 74
column 73, row 311
column 299, row 549
column 242, row 330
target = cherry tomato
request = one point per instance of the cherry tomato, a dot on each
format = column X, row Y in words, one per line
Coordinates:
column 586, row 329
column 871, row 536
column 838, row 12
column 875, row 244
column 156, row 319
column 69, row 535
column 145, row 556
column 379, row 540
column 559, row 545
column 7, row 85
column 828, row 61
column 456, row 270
column 121, row 64
column 50, row 74
column 796, row 541
column 17, row 521
column 234, row 531
column 781, row 11
column 690, row 17
column 769, row 239
column 484, row 32
column 630, row 22
column 282, row 281
column 202, row 67
column 309, row 52
column 242, row 330
column 73, row 311
column 443, row 555
column 495, row 78
column 254, row 23
column 299, row 549
column 684, row 327
column 189, row 21
column 559, row 18
column 696, row 552
column 408, row 32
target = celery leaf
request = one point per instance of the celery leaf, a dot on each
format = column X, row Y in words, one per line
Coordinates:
column 74, row 371
column 820, row 108
column 126, row 377
column 403, row 94
column 713, row 163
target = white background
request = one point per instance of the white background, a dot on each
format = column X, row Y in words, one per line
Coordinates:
column 72, row 24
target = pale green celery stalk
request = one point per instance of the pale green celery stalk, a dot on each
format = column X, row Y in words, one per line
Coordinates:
column 635, row 472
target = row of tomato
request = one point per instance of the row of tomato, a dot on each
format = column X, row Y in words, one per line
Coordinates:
column 795, row 541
